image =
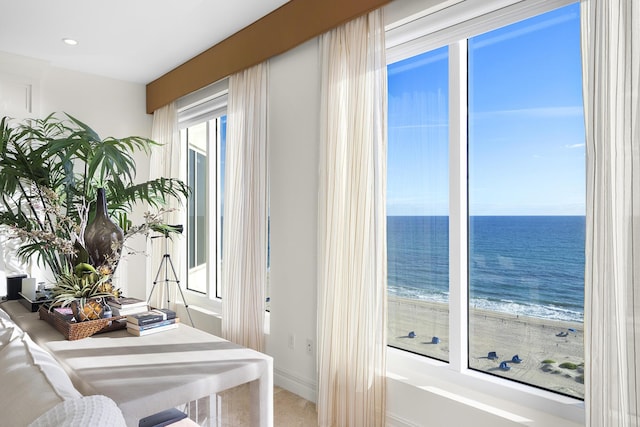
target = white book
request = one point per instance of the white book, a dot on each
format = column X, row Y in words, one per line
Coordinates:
column 126, row 302
column 153, row 325
column 129, row 310
column 152, row 330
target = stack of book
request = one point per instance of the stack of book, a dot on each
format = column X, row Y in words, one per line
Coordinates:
column 152, row 321
column 125, row 306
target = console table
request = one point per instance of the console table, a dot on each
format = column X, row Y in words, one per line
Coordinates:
column 149, row 374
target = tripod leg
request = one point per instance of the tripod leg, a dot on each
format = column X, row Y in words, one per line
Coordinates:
column 186, row 306
column 155, row 281
column 166, row 278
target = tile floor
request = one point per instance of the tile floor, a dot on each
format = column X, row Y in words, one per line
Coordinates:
column 289, row 410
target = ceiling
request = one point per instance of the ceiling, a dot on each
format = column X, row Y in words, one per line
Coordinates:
column 130, row 40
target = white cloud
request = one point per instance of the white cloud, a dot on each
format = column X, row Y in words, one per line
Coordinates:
column 575, row 145
column 570, row 111
column 421, row 126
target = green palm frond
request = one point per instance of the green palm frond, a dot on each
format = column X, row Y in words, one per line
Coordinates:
column 50, row 170
column 155, row 192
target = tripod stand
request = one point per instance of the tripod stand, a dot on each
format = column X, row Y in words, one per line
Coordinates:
column 166, row 263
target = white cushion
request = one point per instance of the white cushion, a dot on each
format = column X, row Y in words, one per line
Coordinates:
column 7, row 323
column 32, row 382
column 85, row 411
column 6, row 335
column 51, row 369
column 4, row 315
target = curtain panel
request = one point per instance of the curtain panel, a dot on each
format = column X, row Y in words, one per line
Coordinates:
column 244, row 252
column 352, row 265
column 611, row 82
column 166, row 161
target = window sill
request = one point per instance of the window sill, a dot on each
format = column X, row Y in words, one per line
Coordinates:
column 203, row 301
column 212, row 309
column 493, row 395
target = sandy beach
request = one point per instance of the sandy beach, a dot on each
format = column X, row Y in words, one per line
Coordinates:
column 548, row 348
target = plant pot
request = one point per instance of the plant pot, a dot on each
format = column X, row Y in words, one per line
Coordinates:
column 92, row 310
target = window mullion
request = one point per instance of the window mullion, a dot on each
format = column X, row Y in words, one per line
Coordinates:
column 210, row 204
column 458, row 277
column 218, row 213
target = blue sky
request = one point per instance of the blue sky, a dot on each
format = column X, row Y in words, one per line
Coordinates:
column 526, row 131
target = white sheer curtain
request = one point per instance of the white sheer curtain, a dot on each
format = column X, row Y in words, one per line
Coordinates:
column 244, row 252
column 611, row 71
column 352, row 267
column 166, row 162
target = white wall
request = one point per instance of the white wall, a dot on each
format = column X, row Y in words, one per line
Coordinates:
column 110, row 107
column 294, row 108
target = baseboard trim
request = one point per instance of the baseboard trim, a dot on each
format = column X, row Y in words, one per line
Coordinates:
column 394, row 420
column 296, row 384
column 308, row 390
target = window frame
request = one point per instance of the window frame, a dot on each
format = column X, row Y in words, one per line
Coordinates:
column 207, row 105
column 452, row 24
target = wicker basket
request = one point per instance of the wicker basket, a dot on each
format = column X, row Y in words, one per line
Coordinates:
column 78, row 330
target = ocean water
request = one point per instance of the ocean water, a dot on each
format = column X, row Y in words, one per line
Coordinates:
column 526, row 265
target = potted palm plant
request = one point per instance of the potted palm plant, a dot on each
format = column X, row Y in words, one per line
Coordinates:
column 51, row 171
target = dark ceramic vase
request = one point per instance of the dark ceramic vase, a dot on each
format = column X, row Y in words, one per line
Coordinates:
column 102, row 237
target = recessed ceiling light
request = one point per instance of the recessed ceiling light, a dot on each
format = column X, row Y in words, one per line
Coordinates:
column 70, row 42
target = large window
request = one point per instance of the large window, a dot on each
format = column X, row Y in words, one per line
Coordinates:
column 205, row 144
column 203, row 129
column 202, row 118
column 505, row 233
